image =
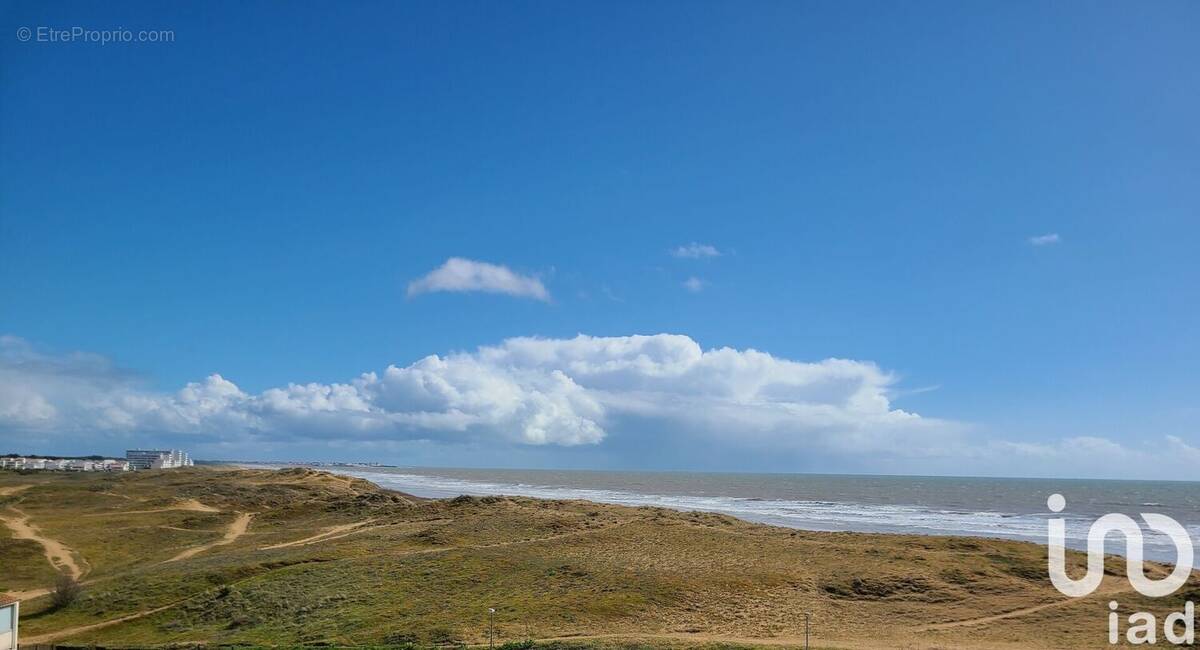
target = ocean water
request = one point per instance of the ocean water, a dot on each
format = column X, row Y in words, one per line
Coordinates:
column 1009, row 508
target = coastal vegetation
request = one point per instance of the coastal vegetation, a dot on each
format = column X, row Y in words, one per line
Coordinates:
column 302, row 557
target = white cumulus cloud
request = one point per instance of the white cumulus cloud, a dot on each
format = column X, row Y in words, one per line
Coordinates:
column 1045, row 240
column 695, row 250
column 528, row 391
column 694, row 284
column 459, row 274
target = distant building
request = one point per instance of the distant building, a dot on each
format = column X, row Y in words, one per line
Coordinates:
column 64, row 464
column 24, row 463
column 110, row 465
column 157, row 458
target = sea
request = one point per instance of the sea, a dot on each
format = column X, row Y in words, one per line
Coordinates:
column 1008, row 508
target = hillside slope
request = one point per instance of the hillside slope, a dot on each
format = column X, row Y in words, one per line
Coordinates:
column 305, row 557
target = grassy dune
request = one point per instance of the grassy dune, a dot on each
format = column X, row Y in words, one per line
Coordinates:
column 332, row 560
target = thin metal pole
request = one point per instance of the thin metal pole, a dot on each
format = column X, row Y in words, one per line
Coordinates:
column 806, row 617
column 491, row 627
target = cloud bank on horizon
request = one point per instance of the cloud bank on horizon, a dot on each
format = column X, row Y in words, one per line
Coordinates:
column 533, row 392
column 529, row 391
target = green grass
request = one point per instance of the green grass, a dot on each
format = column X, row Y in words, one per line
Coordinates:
column 24, row 567
column 425, row 572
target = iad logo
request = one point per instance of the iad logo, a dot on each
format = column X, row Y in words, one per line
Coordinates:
column 1117, row 523
column 1143, row 625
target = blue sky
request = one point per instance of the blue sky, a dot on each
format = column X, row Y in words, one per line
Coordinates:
column 253, row 200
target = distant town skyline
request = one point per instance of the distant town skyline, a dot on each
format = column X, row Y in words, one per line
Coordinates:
column 134, row 459
column 935, row 239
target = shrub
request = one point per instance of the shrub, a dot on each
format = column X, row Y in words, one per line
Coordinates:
column 403, row 639
column 441, row 636
column 67, row 590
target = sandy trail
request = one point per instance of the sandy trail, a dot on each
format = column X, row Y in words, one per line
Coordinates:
column 28, row 595
column 330, row 533
column 516, row 542
column 53, row 636
column 190, row 505
column 705, row 638
column 983, row 620
column 235, row 530
column 338, row 532
column 1110, row 586
column 58, row 554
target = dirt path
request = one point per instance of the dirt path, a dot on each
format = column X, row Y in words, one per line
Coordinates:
column 1109, row 587
column 54, row 636
column 330, row 533
column 338, row 532
column 58, row 554
column 705, row 638
column 983, row 620
column 515, row 542
column 190, row 505
column 548, row 538
column 28, row 595
column 235, row 530
column 697, row 637
column 5, row 491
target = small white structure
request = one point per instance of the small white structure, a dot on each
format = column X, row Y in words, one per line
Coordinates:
column 10, row 612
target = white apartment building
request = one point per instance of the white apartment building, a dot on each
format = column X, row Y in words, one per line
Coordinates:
column 157, row 458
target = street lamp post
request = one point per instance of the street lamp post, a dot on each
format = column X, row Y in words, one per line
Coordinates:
column 807, row 616
column 491, row 627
